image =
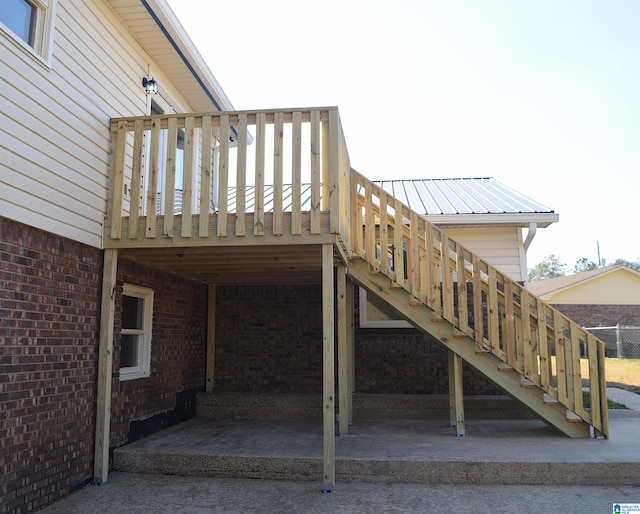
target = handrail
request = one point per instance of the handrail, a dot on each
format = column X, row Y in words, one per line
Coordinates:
column 207, row 160
column 499, row 314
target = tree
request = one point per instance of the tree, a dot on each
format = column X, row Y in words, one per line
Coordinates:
column 550, row 267
column 629, row 264
column 584, row 264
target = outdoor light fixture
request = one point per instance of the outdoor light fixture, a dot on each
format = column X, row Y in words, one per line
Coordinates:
column 150, row 86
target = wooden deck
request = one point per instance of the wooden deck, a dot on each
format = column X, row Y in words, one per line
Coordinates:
column 223, row 234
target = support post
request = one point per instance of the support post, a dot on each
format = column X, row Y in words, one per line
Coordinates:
column 211, row 337
column 344, row 386
column 105, row 367
column 351, row 338
column 456, row 395
column 328, row 369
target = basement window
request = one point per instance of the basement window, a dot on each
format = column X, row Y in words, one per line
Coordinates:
column 374, row 316
column 29, row 23
column 135, row 332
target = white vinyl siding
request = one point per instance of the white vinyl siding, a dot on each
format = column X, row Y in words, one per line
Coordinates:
column 500, row 246
column 55, row 139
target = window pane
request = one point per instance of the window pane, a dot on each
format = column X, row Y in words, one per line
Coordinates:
column 19, row 16
column 132, row 312
column 129, row 351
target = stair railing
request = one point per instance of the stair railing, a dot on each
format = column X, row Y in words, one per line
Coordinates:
column 500, row 315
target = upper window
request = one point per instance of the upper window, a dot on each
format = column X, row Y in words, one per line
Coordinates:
column 135, row 345
column 30, row 22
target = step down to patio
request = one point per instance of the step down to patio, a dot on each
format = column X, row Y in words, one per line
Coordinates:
column 418, row 451
column 365, row 406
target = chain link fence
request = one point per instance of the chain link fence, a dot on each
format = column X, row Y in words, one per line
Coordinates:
column 621, row 341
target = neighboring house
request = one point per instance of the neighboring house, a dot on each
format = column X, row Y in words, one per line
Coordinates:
column 604, row 297
column 118, row 309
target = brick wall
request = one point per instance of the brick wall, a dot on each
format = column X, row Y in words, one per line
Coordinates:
column 601, row 315
column 269, row 339
column 50, row 291
column 178, row 355
column 49, row 312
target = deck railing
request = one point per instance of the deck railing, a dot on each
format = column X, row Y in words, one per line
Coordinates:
column 499, row 314
column 226, row 164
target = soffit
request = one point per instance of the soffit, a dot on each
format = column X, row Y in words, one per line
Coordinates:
column 154, row 25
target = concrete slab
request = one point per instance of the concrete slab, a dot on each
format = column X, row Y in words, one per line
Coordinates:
column 493, row 452
column 141, row 494
column 500, row 447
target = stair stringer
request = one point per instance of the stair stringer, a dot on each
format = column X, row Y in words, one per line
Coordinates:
column 422, row 317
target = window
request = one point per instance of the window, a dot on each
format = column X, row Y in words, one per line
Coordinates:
column 135, row 345
column 30, row 23
column 374, row 316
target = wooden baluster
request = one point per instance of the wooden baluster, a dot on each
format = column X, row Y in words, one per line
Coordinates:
column 334, row 171
column 529, row 355
column 561, row 370
column 154, row 170
column 510, row 332
column 398, row 250
column 117, row 178
column 170, row 177
column 278, row 185
column 414, row 255
column 447, row 281
column 369, row 224
column 315, row 173
column 187, row 174
column 546, row 374
column 384, row 234
column 258, row 222
column 296, row 172
column 241, row 177
column 574, row 384
column 478, row 309
column 463, row 306
column 223, row 177
column 205, row 177
column 137, row 167
column 492, row 307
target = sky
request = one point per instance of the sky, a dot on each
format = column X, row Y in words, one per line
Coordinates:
column 542, row 95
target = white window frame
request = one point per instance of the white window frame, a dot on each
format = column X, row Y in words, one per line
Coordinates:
column 366, row 322
column 143, row 369
column 43, row 31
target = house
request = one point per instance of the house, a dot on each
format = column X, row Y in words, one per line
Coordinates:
column 604, row 300
column 118, row 309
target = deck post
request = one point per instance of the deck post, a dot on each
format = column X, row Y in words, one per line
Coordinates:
column 344, row 384
column 351, row 338
column 456, row 395
column 328, row 369
column 211, row 337
column 105, row 368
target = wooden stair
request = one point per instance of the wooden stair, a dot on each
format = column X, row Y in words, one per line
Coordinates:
column 528, row 349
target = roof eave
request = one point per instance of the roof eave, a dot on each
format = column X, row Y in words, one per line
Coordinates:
column 543, row 220
column 179, row 41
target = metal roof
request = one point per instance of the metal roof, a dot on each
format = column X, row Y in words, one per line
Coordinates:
column 468, row 201
column 449, row 201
